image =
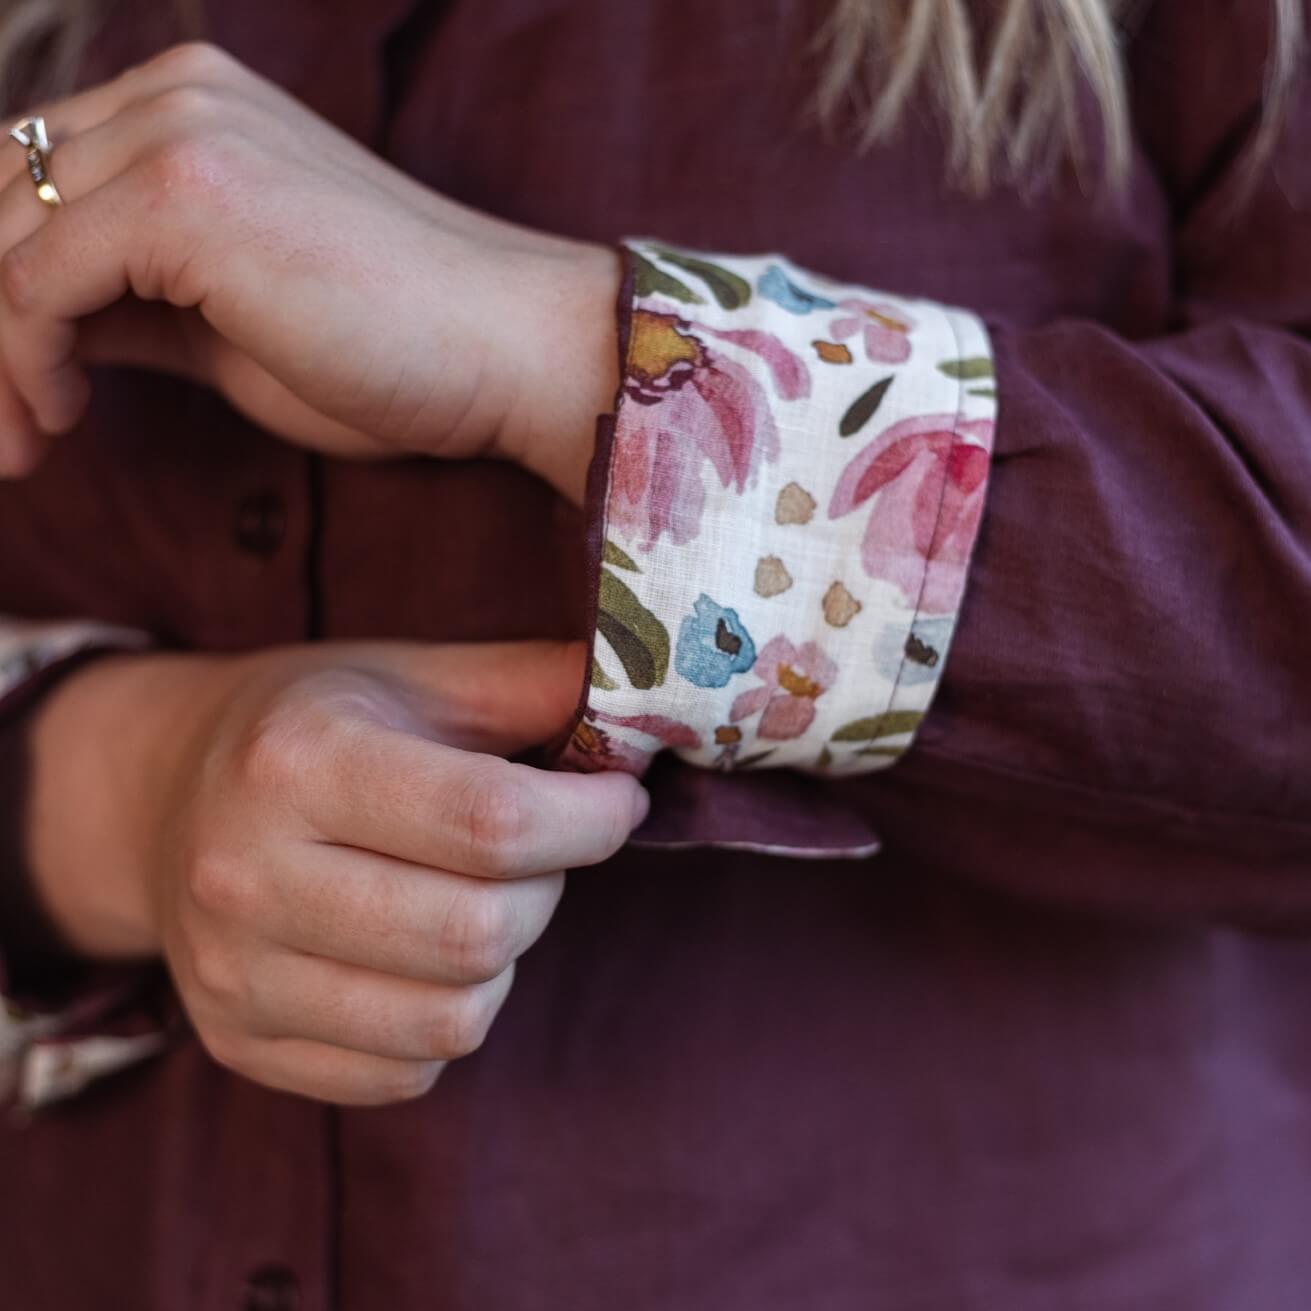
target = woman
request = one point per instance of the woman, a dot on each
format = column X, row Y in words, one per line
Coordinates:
column 1044, row 403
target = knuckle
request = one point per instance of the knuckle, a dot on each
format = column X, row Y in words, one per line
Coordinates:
column 196, row 60
column 18, row 280
column 413, row 1079
column 461, row 1024
column 276, row 751
column 481, row 933
column 227, row 1049
column 219, row 884
column 188, row 103
column 219, row 977
column 491, row 812
column 190, row 166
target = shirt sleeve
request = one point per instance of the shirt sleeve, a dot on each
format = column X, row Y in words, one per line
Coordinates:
column 1124, row 719
column 794, row 480
column 63, row 1021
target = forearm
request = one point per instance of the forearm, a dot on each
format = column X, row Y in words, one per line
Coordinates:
column 105, row 750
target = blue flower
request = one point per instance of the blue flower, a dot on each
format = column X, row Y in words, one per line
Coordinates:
column 775, row 285
column 713, row 645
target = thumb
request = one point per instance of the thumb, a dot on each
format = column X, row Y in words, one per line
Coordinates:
column 497, row 697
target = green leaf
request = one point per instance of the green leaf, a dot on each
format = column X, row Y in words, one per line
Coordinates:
column 649, row 279
column 862, row 408
column 747, row 761
column 601, row 679
column 888, row 724
column 977, row 366
column 727, row 288
column 983, row 391
column 825, row 759
column 620, row 559
column 639, row 639
column 881, row 751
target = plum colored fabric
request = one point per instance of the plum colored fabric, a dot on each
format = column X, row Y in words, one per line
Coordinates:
column 1048, row 1046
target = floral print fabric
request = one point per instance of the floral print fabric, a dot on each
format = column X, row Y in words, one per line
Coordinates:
column 796, row 483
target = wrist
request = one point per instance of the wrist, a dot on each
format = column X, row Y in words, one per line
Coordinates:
column 569, row 372
column 108, row 761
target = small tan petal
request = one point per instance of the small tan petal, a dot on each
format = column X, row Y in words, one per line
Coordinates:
column 772, row 576
column 795, row 505
column 840, row 607
column 832, row 352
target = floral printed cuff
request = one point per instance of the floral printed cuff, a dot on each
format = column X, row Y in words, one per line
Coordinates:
column 28, row 649
column 795, row 485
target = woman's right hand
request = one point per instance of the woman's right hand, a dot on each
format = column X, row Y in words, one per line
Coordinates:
column 324, row 842
column 213, row 226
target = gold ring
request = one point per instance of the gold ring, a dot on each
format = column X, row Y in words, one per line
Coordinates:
column 30, row 133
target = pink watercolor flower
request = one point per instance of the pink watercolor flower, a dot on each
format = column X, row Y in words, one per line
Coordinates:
column 886, row 330
column 688, row 406
column 592, row 749
column 792, row 678
column 930, row 473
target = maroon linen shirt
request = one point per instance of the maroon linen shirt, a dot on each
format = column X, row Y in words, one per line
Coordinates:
column 1049, row 1047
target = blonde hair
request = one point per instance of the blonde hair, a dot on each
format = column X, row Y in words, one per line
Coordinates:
column 42, row 42
column 1016, row 107
column 1013, row 109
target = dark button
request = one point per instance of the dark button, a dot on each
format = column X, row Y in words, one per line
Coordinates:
column 261, row 524
column 271, row 1288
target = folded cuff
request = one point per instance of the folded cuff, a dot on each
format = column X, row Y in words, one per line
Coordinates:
column 787, row 498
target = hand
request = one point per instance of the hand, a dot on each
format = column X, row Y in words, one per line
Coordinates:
column 338, row 873
column 216, row 228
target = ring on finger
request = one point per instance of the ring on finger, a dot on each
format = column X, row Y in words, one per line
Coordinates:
column 30, row 133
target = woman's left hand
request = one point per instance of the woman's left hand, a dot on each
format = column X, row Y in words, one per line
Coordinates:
column 214, row 227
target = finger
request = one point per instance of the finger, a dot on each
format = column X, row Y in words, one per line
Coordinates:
column 194, row 64
column 399, row 919
column 80, row 165
column 402, row 795
column 325, row 1073
column 22, row 443
column 65, row 120
column 38, row 332
column 308, row 997
column 152, row 335
column 499, row 697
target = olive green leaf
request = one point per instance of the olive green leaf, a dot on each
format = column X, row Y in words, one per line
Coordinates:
column 727, row 288
column 977, row 366
column 639, row 639
column 600, row 678
column 747, row 761
column 862, row 408
column 888, row 724
column 620, row 559
column 824, row 760
column 890, row 752
column 983, row 391
column 649, row 279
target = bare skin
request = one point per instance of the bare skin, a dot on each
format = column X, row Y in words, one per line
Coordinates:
column 323, row 842
column 216, row 228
